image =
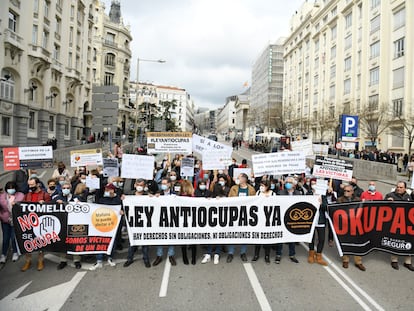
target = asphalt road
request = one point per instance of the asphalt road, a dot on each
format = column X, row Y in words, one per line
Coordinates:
column 226, row 286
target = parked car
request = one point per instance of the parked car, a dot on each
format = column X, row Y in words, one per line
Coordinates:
column 212, row 137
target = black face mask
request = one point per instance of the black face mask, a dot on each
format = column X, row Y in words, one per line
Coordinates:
column 60, row 170
column 52, row 187
column 33, row 189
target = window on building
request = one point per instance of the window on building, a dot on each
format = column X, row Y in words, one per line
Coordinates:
column 333, row 52
column 375, row 4
column 348, row 42
column 333, row 71
column 58, row 25
column 333, row 33
column 51, row 123
column 375, row 23
column 46, row 8
column 348, row 21
column 32, row 120
column 332, row 92
column 399, row 48
column 110, row 38
column 315, row 98
column 399, row 19
column 316, row 81
column 72, row 12
column 45, row 39
column 109, row 78
column 56, row 52
column 36, row 6
column 398, row 77
column 34, row 34
column 110, row 59
column 7, row 86
column 332, row 112
column 70, row 36
column 70, row 59
column 317, row 46
column 358, row 86
column 347, row 86
column 5, row 126
column 373, row 102
column 375, row 49
column 397, row 107
column 67, row 127
column 374, row 76
column 12, row 21
column 348, row 63
column 316, row 63
column 397, row 137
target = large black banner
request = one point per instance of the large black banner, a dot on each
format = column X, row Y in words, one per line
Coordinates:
column 360, row 227
column 75, row 228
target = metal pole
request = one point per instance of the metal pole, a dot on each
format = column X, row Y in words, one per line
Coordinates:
column 136, row 104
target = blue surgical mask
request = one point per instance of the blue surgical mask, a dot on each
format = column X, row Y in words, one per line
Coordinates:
column 206, row 176
column 164, row 187
column 272, row 186
column 61, row 182
column 288, row 186
column 202, row 187
column 107, row 194
column 65, row 191
column 371, row 188
column 11, row 191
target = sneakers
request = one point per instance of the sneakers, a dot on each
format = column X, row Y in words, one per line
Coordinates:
column 2, row 259
column 216, row 259
column 15, row 257
column 97, row 265
column 111, row 263
column 206, row 258
column 277, row 260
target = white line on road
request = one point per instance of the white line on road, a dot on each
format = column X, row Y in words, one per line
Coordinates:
column 349, row 280
column 257, row 288
column 165, row 279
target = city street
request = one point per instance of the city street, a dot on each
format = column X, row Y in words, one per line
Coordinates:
column 228, row 286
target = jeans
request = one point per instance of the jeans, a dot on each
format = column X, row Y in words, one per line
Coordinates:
column 243, row 249
column 279, row 248
column 209, row 249
column 8, row 234
column 160, row 251
column 321, row 240
column 133, row 249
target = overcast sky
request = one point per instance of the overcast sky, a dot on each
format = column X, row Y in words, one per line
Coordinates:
column 209, row 45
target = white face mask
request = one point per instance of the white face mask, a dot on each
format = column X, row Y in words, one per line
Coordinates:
column 220, row 172
column 202, row 187
column 262, row 188
column 237, row 181
column 139, row 188
column 145, row 189
column 83, row 181
column 173, row 177
column 222, row 183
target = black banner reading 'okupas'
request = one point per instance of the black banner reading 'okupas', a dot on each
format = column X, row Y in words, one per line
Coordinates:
column 360, row 227
column 74, row 228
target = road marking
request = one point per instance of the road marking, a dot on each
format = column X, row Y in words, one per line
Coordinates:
column 349, row 280
column 52, row 298
column 165, row 279
column 257, row 288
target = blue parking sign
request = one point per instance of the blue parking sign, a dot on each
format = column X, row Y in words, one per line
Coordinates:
column 349, row 129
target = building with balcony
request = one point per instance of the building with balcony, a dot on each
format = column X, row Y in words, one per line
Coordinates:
column 351, row 57
column 43, row 86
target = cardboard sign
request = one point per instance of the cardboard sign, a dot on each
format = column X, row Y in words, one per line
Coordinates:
column 304, row 146
column 202, row 144
column 110, row 168
column 279, row 163
column 27, row 157
column 86, row 157
column 332, row 168
column 217, row 160
column 187, row 167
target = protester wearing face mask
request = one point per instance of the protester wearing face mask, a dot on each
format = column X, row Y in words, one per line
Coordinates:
column 221, row 188
column 35, row 195
column 202, row 191
column 140, row 186
column 7, row 200
column 264, row 191
column 371, row 194
column 109, row 198
column 52, row 189
column 65, row 194
column 165, row 190
column 289, row 189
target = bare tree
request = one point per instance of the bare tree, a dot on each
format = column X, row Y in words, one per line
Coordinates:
column 403, row 126
column 374, row 121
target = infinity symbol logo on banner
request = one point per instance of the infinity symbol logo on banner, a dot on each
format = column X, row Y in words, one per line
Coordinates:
column 298, row 214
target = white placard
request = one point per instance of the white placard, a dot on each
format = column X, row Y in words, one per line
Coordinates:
column 169, row 142
column 320, row 149
column 202, row 144
column 35, row 153
column 321, row 186
column 110, row 168
column 238, row 171
column 217, row 160
column 187, row 167
column 304, row 146
column 93, row 182
column 346, row 145
column 137, row 166
column 278, row 163
column 86, row 157
column 332, row 168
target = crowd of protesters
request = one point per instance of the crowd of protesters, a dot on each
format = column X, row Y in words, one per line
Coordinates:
column 66, row 187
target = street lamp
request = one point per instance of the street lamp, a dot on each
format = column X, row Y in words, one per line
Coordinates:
column 161, row 61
